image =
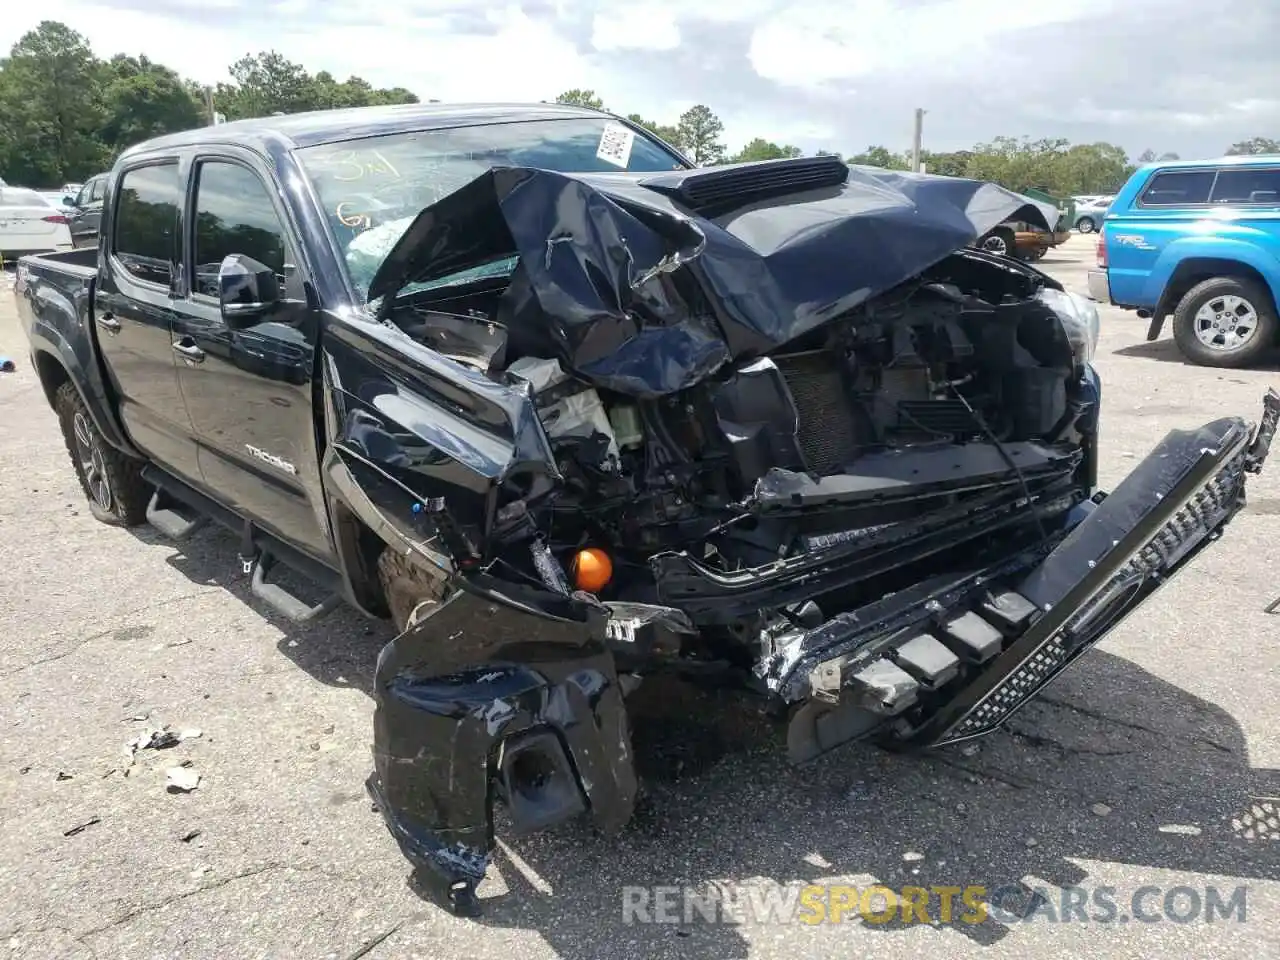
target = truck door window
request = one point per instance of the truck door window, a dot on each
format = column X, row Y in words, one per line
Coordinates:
column 234, row 214
column 1246, row 185
column 146, row 221
column 97, row 187
column 1178, row 188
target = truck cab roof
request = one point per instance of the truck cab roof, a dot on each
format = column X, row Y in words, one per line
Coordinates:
column 332, row 126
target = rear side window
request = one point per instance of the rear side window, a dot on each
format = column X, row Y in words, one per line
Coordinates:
column 98, row 187
column 1247, row 186
column 146, row 221
column 1178, row 188
column 234, row 214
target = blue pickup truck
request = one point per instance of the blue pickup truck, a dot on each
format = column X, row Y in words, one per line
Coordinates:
column 1198, row 240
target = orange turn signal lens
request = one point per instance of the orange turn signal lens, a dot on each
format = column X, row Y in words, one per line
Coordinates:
column 592, row 569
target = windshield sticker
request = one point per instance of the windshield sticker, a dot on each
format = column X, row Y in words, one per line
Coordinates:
column 615, row 144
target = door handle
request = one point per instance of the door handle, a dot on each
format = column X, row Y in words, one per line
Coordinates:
column 189, row 351
column 109, row 323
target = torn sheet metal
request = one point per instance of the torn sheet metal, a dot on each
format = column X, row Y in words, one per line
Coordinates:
column 512, row 697
column 647, row 283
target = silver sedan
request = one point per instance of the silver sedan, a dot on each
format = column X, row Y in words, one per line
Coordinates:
column 1089, row 215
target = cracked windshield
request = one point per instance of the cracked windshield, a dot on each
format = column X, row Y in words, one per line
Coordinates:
column 373, row 188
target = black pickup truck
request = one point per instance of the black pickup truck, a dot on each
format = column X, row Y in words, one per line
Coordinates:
column 572, row 412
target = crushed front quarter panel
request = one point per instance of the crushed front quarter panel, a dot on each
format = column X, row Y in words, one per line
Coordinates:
column 488, row 695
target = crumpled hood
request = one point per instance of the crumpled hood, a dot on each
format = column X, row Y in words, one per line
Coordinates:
column 647, row 283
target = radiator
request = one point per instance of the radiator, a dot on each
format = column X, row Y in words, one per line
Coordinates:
column 828, row 421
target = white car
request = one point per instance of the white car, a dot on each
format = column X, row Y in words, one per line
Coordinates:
column 30, row 224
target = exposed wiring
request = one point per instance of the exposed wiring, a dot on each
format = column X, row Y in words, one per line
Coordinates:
column 1004, row 452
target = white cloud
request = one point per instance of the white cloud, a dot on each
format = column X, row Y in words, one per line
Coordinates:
column 811, row 42
column 838, row 74
column 642, row 26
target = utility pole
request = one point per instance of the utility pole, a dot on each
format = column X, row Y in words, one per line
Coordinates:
column 208, row 100
column 916, row 139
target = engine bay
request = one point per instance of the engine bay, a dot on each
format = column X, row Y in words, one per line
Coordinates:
column 948, row 390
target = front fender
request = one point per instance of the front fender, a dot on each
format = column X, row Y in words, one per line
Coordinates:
column 493, row 696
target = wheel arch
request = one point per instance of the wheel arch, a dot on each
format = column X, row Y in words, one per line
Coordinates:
column 54, row 367
column 53, row 374
column 1193, row 271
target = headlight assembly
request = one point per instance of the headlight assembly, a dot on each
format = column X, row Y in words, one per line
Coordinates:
column 1080, row 321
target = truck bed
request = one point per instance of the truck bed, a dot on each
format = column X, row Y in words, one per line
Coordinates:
column 81, row 263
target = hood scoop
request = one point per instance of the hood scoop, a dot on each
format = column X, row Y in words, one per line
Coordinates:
column 717, row 190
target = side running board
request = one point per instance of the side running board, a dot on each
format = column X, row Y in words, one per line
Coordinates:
column 175, row 520
column 280, row 599
column 178, row 510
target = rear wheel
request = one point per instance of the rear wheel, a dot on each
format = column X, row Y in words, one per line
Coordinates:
column 1000, row 240
column 1086, row 225
column 1225, row 322
column 111, row 480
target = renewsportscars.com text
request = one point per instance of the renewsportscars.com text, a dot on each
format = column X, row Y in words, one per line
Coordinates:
column 971, row 904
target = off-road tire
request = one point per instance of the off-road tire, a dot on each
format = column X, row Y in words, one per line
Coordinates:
column 1086, row 225
column 111, row 480
column 407, row 584
column 1264, row 336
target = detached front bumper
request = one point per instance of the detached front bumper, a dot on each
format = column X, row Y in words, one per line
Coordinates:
column 514, row 695
column 953, row 659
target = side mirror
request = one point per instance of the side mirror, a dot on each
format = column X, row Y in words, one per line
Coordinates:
column 69, row 201
column 247, row 290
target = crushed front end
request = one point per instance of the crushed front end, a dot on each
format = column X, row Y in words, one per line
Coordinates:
column 821, row 449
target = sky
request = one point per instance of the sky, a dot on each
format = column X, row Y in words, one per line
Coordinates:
column 1170, row 75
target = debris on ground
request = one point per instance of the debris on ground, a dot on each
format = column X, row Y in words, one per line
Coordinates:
column 181, row 779
column 1101, row 809
column 971, row 749
column 62, row 775
column 154, row 738
column 81, row 827
column 189, row 836
column 158, row 738
column 1032, row 842
column 912, row 857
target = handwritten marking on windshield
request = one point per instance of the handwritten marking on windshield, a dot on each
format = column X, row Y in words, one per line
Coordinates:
column 357, row 220
column 351, row 165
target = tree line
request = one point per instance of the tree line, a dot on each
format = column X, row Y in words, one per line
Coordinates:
column 1052, row 164
column 65, row 115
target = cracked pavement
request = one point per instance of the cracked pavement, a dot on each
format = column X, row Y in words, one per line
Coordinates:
column 1172, row 723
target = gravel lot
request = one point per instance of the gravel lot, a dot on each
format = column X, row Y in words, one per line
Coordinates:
column 1173, row 723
